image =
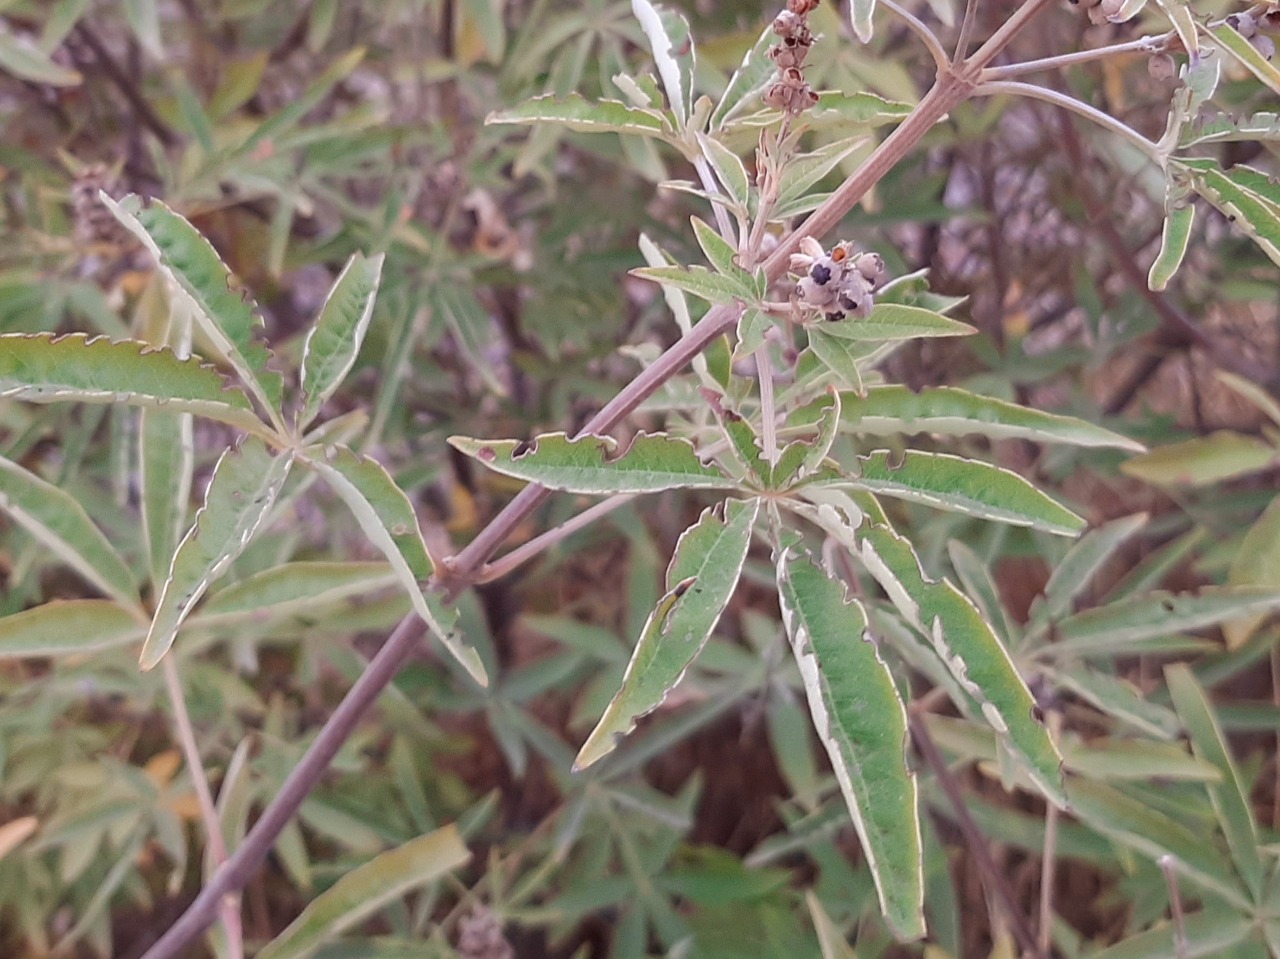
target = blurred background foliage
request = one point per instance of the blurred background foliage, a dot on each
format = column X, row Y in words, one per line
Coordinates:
column 293, row 134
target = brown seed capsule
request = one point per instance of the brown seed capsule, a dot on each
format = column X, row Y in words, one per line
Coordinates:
column 1160, row 66
column 802, row 8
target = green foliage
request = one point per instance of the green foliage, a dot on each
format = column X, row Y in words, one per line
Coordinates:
column 891, row 462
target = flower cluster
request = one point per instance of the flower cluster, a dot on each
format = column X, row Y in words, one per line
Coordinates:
column 791, row 93
column 837, row 283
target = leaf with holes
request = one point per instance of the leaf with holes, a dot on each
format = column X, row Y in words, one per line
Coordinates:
column 334, row 342
column 1248, row 197
column 386, row 516
column 58, row 521
column 948, row 411
column 970, row 650
column 593, row 464
column 700, row 579
column 222, row 313
column 893, row 321
column 862, row 723
column 962, row 485
column 583, row 116
column 241, row 491
column 41, row 368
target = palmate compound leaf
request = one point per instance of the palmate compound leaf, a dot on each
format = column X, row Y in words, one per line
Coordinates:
column 241, row 491
column 948, row 411
column 223, row 315
column 335, row 340
column 386, row 516
column 970, row 650
column 700, row 579
column 651, row 462
column 862, row 722
column 59, row 523
column 42, row 368
column 961, row 485
column 367, row 888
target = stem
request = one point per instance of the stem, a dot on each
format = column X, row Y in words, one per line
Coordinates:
column 1169, row 868
column 522, row 554
column 992, row 876
column 918, row 27
column 997, row 87
column 768, row 410
column 229, row 908
column 966, row 29
column 1154, row 43
column 241, row 864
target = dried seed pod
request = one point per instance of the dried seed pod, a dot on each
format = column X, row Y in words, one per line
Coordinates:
column 802, row 8
column 778, row 96
column 787, row 24
column 790, row 53
column 1161, row 66
column 870, row 266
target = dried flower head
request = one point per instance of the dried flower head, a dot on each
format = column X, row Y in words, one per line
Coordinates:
column 834, row 284
column 791, row 93
column 480, row 937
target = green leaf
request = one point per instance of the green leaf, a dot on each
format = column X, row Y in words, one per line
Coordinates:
column 1256, row 563
column 387, row 517
column 719, row 252
column 166, row 461
column 802, row 458
column 1160, row 614
column 673, row 53
column 893, row 321
column 222, row 313
column 28, row 62
column 747, row 82
column 69, row 627
column 860, row 15
column 60, row 523
column 293, row 589
column 366, row 889
column 841, row 356
column 42, row 368
column 1229, row 796
column 1203, row 461
column 471, row 325
column 1174, row 240
column 1077, row 569
column 947, row 411
column 1248, row 197
column 836, row 109
column 729, row 170
column 962, row 485
column 241, row 491
column 862, row 723
column 1120, row 699
column 279, row 123
column 334, row 342
column 1242, row 50
column 1133, row 824
column 970, row 650
column 1184, row 23
column 1210, row 933
column 593, row 464
column 699, row 281
column 1223, row 128
column 583, row 116
column 804, row 170
column 703, row 573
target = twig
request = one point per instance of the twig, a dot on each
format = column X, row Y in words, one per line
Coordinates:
column 126, row 86
column 952, row 88
column 229, row 908
column 992, row 877
column 1155, row 43
column 522, row 554
column 966, row 29
column 1049, row 856
column 921, row 30
column 1168, row 866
